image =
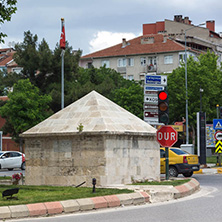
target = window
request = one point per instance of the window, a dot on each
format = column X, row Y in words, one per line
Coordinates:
column 130, row 77
column 17, row 70
column 14, row 154
column 151, row 60
column 182, row 57
column 178, row 151
column 130, row 61
column 143, row 61
column 168, row 59
column 106, row 63
column 121, row 62
column 89, row 65
column 162, row 154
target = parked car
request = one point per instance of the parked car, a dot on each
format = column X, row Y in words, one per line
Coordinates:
column 12, row 159
column 180, row 162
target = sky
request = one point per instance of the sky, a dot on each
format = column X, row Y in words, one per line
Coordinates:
column 91, row 25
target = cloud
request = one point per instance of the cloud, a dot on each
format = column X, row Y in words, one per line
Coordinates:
column 105, row 39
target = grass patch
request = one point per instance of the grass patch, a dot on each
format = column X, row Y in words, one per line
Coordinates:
column 170, row 182
column 5, row 178
column 212, row 159
column 38, row 194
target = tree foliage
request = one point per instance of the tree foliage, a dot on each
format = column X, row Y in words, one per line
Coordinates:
column 131, row 99
column 203, row 74
column 25, row 108
column 42, row 67
column 27, row 56
column 7, row 8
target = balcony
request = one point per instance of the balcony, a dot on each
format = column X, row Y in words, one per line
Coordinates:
column 148, row 68
column 121, row 69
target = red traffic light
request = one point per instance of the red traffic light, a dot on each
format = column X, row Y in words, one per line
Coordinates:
column 163, row 107
column 162, row 95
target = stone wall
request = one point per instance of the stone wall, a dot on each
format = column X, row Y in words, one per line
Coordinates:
column 64, row 160
column 130, row 158
column 110, row 158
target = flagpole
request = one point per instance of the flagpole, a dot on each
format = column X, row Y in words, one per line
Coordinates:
column 62, row 66
column 62, row 79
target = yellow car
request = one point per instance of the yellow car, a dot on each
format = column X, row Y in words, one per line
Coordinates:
column 180, row 162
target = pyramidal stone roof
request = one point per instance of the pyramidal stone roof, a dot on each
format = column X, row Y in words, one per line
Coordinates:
column 96, row 113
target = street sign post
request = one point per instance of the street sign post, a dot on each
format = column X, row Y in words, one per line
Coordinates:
column 166, row 137
column 156, row 80
column 153, row 84
column 217, row 125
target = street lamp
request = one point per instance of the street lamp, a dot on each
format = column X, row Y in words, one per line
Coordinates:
column 187, row 130
column 201, row 91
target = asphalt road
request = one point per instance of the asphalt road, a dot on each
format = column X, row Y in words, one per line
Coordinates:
column 7, row 173
column 202, row 206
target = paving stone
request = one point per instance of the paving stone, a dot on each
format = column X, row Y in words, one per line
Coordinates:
column 85, row 204
column 146, row 196
column 37, row 209
column 112, row 200
column 99, row 202
column 18, row 211
column 70, row 206
column 5, row 213
column 125, row 199
column 137, row 198
column 53, row 207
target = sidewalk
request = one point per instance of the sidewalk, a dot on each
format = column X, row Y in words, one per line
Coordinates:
column 142, row 195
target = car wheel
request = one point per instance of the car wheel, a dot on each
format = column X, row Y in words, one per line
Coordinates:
column 23, row 166
column 173, row 171
column 189, row 174
column 10, row 169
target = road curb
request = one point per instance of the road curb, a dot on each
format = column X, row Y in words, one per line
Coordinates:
column 143, row 196
column 209, row 171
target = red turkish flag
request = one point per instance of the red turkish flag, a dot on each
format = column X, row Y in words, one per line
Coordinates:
column 63, row 38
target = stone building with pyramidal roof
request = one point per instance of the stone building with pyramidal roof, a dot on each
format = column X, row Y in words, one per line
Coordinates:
column 91, row 138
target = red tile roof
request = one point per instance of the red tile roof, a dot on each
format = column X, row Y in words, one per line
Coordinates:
column 136, row 48
column 5, row 58
column 4, row 98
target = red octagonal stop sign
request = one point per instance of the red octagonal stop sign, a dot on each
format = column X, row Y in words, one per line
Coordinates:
column 166, row 136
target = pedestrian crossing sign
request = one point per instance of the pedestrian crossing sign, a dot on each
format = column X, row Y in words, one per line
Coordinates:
column 217, row 124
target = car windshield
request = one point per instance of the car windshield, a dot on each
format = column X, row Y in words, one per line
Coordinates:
column 1, row 153
column 178, row 151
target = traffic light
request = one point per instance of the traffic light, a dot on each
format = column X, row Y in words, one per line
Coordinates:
column 163, row 107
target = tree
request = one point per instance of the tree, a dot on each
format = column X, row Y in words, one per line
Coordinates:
column 203, row 74
column 43, row 67
column 7, row 81
column 25, row 108
column 27, row 56
column 110, row 84
column 130, row 99
column 7, row 8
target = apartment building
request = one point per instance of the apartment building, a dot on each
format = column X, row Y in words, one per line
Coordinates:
column 159, row 50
